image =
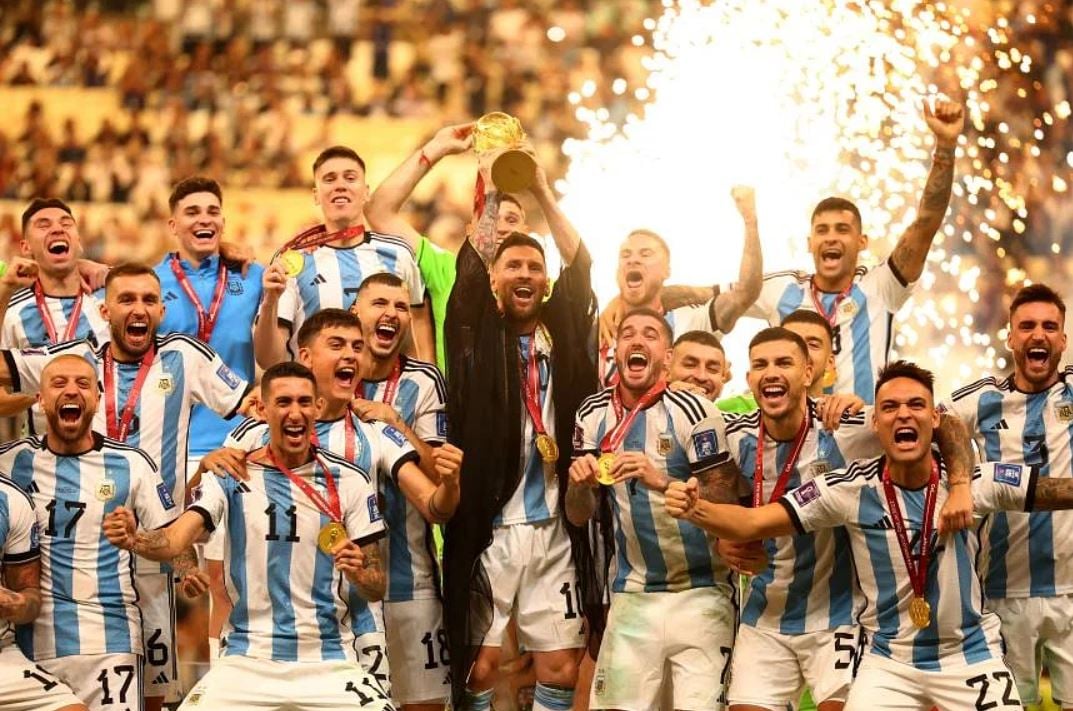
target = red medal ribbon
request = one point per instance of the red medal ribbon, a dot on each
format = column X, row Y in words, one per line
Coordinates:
column 791, row 462
column 118, row 429
column 391, row 386
column 46, row 317
column 833, row 316
column 918, row 572
column 613, row 439
column 531, row 387
column 329, row 507
column 206, row 323
column 351, row 436
column 319, row 235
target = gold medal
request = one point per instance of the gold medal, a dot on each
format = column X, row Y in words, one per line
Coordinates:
column 920, row 612
column 330, row 536
column 603, row 469
column 292, row 261
column 549, row 451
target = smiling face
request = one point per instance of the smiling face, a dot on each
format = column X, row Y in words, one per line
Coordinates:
column 341, row 192
column 904, row 420
column 289, row 406
column 198, row 222
column 820, row 354
column 384, row 311
column 643, row 266
column 52, row 241
column 133, row 309
column 520, row 282
column 1037, row 340
column 835, row 241
column 69, row 397
column 779, row 376
column 511, row 218
column 642, row 352
column 333, row 355
column 700, row 365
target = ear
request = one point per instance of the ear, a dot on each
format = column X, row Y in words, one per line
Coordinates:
column 935, row 418
column 259, row 405
column 875, row 424
column 1063, row 347
column 304, row 356
column 862, row 242
column 103, row 307
column 320, row 403
column 1009, row 336
column 24, row 247
column 171, row 226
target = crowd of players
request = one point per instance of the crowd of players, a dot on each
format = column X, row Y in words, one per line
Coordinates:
column 598, row 497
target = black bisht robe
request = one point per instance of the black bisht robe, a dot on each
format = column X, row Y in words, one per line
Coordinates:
column 484, row 407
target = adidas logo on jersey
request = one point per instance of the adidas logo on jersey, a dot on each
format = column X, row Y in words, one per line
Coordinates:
column 883, row 524
column 1002, row 424
column 319, row 279
column 170, row 296
column 161, row 678
column 242, row 488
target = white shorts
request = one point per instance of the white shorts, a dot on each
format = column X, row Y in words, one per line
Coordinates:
column 25, row 686
column 1038, row 631
column 371, row 649
column 156, row 599
column 692, row 632
column 101, row 680
column 244, row 683
column 886, row 685
column 417, row 649
column 771, row 669
column 532, row 576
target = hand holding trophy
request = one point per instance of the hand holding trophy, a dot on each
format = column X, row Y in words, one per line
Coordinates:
column 499, row 139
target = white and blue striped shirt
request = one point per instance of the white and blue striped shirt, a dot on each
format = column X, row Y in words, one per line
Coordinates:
column 24, row 328
column 87, row 584
column 961, row 631
column 864, row 324
column 808, row 585
column 331, row 277
column 421, row 401
column 289, row 602
column 1026, row 554
column 682, row 434
column 19, row 539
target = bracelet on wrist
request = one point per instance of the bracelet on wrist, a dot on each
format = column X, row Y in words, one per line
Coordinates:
column 423, row 160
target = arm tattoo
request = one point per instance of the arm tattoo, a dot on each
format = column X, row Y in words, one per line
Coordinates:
column 728, row 307
column 674, row 297
column 955, row 448
column 1053, row 494
column 370, row 580
column 148, row 542
column 580, row 503
column 912, row 249
column 719, row 485
column 185, row 563
column 484, row 236
column 23, row 580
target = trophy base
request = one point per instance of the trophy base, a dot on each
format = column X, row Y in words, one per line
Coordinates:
column 513, row 171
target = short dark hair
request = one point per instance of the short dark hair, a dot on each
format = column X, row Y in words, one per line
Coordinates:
column 645, row 311
column 191, row 185
column 129, row 269
column 38, row 204
column 384, row 279
column 806, row 316
column 1037, row 293
column 337, row 152
column 654, row 236
column 778, row 333
column 325, row 318
column 507, row 197
column 837, row 204
column 286, row 369
column 703, row 338
column 906, row 369
column 517, row 239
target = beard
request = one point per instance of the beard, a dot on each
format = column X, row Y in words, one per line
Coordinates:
column 63, row 432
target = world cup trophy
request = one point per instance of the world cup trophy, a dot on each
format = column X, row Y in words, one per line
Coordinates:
column 500, row 137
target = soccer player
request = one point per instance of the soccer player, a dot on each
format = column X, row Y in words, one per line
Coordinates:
column 518, row 372
column 930, row 642
column 304, row 521
column 329, row 262
column 208, row 297
column 860, row 303
column 89, row 631
column 24, row 686
column 698, row 364
column 640, row 430
column 149, row 385
column 1027, row 418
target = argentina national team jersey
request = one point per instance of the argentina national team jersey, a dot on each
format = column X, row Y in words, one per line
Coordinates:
column 232, row 338
column 864, row 322
column 961, row 632
column 808, row 585
column 421, row 401
column 87, row 584
column 1025, row 554
column 682, row 434
column 24, row 328
column 331, row 276
column 380, row 450
column 681, row 320
column 289, row 602
column 19, row 539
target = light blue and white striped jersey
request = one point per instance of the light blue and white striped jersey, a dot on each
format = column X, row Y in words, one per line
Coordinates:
column 864, row 324
column 289, row 602
column 232, row 339
column 681, row 320
column 380, row 450
column 536, row 498
column 682, row 434
column 808, row 585
column 961, row 632
column 185, row 372
column 19, row 539
column 421, row 401
column 331, row 276
column 87, row 584
column 1026, row 554
column 24, row 328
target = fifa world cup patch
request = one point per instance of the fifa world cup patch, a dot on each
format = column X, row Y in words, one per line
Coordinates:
column 441, row 424
column 394, row 435
column 704, row 443
column 35, row 535
column 374, row 509
column 807, row 493
column 165, row 496
column 228, row 376
column 1008, row 474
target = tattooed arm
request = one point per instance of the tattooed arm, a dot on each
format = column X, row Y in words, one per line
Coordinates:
column 1052, row 494
column 721, row 484
column 362, row 567
column 955, row 446
column 728, row 306
column 162, row 544
column 911, row 251
column 581, row 494
column 483, row 237
column 20, row 595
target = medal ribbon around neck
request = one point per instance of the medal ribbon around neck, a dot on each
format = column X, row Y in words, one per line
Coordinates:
column 614, row 437
column 350, row 437
column 919, row 612
column 391, row 385
column 46, row 317
column 206, row 322
column 329, row 507
column 787, row 467
column 119, row 428
column 831, row 317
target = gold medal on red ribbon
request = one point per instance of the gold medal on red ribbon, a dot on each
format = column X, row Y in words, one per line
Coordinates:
column 916, row 567
column 549, row 450
column 920, row 612
column 331, row 535
column 603, row 469
column 292, row 262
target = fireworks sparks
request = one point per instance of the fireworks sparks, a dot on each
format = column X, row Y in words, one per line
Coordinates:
column 805, row 100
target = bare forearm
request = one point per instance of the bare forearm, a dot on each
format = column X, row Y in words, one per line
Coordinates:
column 720, row 484
column 370, row 580
column 731, row 305
column 22, row 607
column 675, row 296
column 483, row 238
column 443, row 503
column 269, row 339
column 723, row 520
column 395, row 190
column 562, row 230
column 955, row 446
column 423, row 336
column 184, row 563
column 912, row 249
column 580, row 504
column 155, row 545
column 1053, row 494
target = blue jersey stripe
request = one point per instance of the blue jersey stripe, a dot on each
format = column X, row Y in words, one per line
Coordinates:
column 695, row 543
column 988, row 416
column 65, row 609
column 350, row 275
column 117, row 632
column 926, row 641
column 974, row 647
column 793, row 619
column 172, row 363
column 323, row 595
column 841, row 582
column 32, row 325
column 1040, row 524
column 863, row 367
column 790, row 301
column 644, row 523
column 238, row 640
column 400, row 562
column 278, row 564
column 887, row 616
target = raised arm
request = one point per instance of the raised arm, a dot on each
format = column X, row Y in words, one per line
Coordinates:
column 384, row 209
column 436, row 502
column 728, row 306
column 909, row 255
column 21, row 273
column 955, row 446
column 562, row 231
column 20, row 596
column 162, row 544
column 732, row 522
column 269, row 337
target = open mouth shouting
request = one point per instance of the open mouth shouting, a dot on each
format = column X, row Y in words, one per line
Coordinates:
column 295, row 434
column 70, row 413
column 635, row 279
column 524, row 296
column 831, row 256
column 1037, row 356
column 774, row 392
column 386, row 332
column 346, row 377
column 137, row 333
column 905, row 438
column 637, row 362
column 58, row 247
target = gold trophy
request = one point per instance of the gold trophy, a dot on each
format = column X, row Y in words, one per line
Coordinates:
column 502, row 135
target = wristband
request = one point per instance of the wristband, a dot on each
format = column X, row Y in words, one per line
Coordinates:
column 423, row 160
